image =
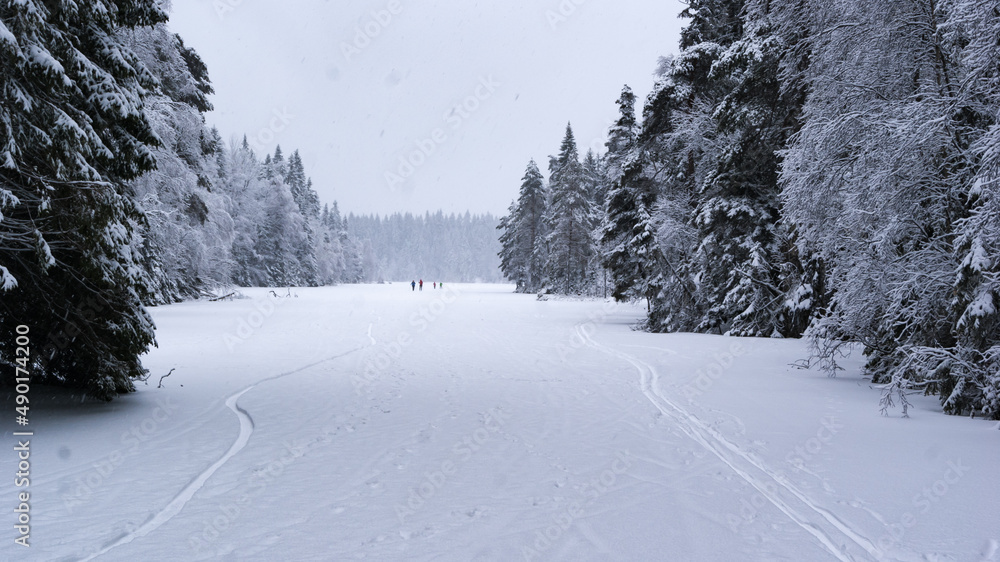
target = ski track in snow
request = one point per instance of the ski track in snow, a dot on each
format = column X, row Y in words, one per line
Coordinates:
column 717, row 444
column 246, row 430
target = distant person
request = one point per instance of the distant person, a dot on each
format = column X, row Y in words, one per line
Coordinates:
column 421, row 284
column 435, row 285
column 413, row 285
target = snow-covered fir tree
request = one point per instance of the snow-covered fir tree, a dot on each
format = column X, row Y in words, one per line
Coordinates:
column 570, row 218
column 621, row 143
column 596, row 179
column 968, row 372
column 186, row 245
column 523, row 234
column 339, row 255
column 741, row 260
column 627, row 234
column 676, row 149
column 72, row 134
column 830, row 167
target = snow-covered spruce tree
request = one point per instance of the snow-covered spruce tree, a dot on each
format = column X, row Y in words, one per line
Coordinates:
column 301, row 187
column 186, row 247
column 522, row 238
column 595, row 175
column 627, row 233
column 512, row 263
column 877, row 181
column 742, row 260
column 283, row 242
column 711, row 22
column 621, row 136
column 677, row 148
column 307, row 201
column 330, row 257
column 72, row 133
column 338, row 255
column 570, row 218
column 358, row 259
column 241, row 180
column 688, row 145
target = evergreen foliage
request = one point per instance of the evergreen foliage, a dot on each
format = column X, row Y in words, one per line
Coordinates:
column 72, row 134
column 820, row 168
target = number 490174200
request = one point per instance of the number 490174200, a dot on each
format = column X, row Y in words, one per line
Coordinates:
column 23, row 376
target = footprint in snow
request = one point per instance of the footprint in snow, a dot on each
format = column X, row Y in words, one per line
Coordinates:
column 989, row 550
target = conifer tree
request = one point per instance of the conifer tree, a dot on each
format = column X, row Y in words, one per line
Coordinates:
column 626, row 231
column 621, row 143
column 186, row 247
column 72, row 133
column 741, row 261
column 570, row 218
column 970, row 379
column 523, row 233
column 878, row 180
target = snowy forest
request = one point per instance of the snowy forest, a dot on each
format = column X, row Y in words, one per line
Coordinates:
column 742, row 308
column 115, row 194
column 806, row 168
column 434, row 247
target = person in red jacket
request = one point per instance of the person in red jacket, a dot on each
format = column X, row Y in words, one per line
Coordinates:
column 421, row 284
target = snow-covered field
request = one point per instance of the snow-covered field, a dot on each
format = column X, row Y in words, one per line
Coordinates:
column 380, row 423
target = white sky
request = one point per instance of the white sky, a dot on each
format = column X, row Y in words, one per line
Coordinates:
column 282, row 76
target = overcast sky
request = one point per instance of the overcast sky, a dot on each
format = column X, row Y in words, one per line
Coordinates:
column 359, row 89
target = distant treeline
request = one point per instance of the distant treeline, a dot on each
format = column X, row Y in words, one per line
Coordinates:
column 432, row 247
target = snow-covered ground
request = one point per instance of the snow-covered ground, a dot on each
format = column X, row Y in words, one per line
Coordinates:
column 475, row 424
